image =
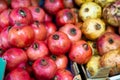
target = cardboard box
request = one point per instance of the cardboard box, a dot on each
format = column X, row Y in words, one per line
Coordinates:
column 102, row 74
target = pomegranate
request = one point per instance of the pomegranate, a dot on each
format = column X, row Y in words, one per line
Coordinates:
column 21, row 36
column 48, row 18
column 34, row 2
column 4, row 18
column 111, row 13
column 36, row 50
column 44, row 68
column 51, row 28
column 37, row 13
column 14, row 57
column 39, row 30
column 93, row 28
column 63, row 74
column 90, row 10
column 108, row 41
column 53, row 6
column 4, row 38
column 73, row 32
column 80, row 52
column 58, row 43
column 20, row 15
column 68, row 3
column 61, row 61
column 18, row 74
column 65, row 16
column 3, row 5
column 20, row 3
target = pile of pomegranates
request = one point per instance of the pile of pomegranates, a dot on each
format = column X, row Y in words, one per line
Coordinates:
column 38, row 41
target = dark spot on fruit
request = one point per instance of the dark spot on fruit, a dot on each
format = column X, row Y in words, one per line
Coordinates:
column 110, row 40
column 22, row 13
column 43, row 62
column 55, row 37
column 37, row 10
column 94, row 45
column 35, row 46
column 69, row 15
column 53, row 57
column 86, row 9
column 97, row 26
column 73, row 31
column 51, row 0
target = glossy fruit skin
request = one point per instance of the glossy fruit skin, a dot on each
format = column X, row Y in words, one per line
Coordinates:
column 108, row 41
column 3, row 5
column 39, row 28
column 20, row 15
column 44, row 68
column 21, row 36
column 4, row 18
column 73, row 32
column 53, row 6
column 4, row 38
column 93, row 28
column 61, row 61
column 90, row 10
column 65, row 16
column 68, row 3
column 34, row 2
column 36, row 50
column 63, row 74
column 48, row 18
column 51, row 28
column 14, row 57
column 18, row 74
column 37, row 13
column 20, row 3
column 58, row 43
column 80, row 52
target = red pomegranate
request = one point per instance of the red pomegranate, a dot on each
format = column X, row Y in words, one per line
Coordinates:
column 63, row 74
column 39, row 30
column 4, row 18
column 72, row 31
column 18, row 74
column 21, row 36
column 61, row 61
column 37, row 13
column 80, row 52
column 58, row 43
column 3, row 5
column 44, row 68
column 108, row 41
column 53, row 6
column 36, row 50
column 20, row 3
column 20, row 15
column 65, row 16
column 51, row 28
column 14, row 57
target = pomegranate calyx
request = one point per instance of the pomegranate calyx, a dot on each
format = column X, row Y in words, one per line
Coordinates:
column 73, row 31
column 22, row 13
column 110, row 40
column 85, row 46
column 43, row 62
column 55, row 36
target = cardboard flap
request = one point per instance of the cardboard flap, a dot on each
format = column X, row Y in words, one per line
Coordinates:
column 2, row 68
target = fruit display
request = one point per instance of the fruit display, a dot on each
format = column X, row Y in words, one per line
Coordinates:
column 40, row 39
